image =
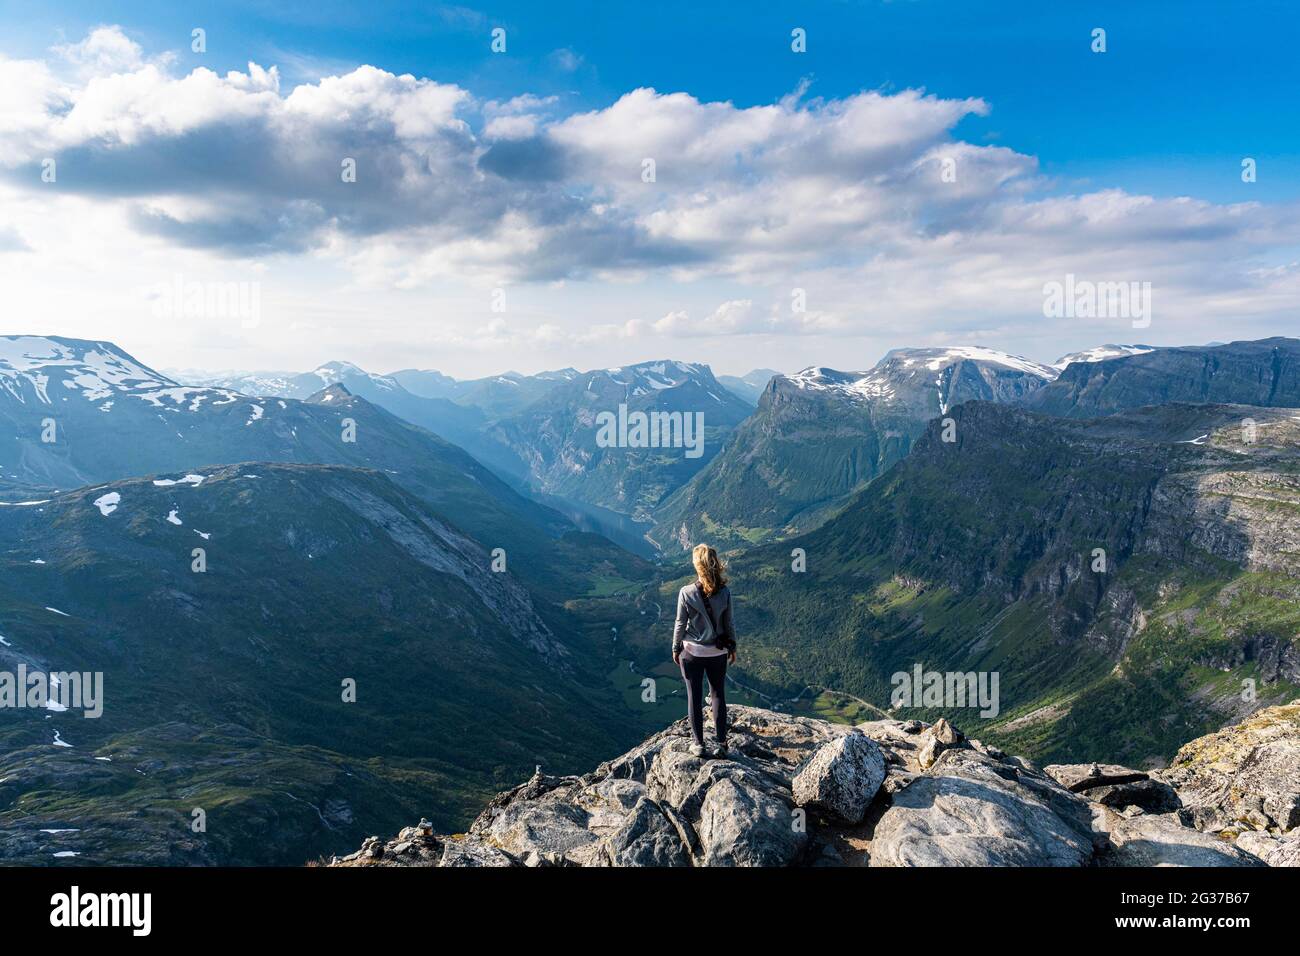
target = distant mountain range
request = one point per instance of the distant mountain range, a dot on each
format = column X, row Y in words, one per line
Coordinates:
column 538, row 429
column 558, row 437
column 750, row 385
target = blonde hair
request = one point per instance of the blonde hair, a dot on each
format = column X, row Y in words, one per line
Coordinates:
column 710, row 568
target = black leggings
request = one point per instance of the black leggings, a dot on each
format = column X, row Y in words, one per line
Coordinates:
column 694, row 670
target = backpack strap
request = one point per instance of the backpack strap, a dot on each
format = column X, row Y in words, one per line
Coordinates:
column 708, row 609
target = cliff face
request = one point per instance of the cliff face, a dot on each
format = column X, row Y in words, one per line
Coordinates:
column 797, row 791
column 1264, row 372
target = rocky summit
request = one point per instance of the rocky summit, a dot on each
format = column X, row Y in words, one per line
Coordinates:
column 797, row 791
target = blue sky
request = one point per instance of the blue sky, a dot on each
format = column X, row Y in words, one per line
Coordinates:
column 1188, row 86
column 1183, row 92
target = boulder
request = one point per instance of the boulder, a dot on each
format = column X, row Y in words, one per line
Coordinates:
column 647, row 837
column 1078, row 777
column 971, row 811
column 842, row 777
column 549, row 828
column 1162, row 840
column 743, row 826
column 939, row 737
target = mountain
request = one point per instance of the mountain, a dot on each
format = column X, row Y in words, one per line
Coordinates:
column 116, row 418
column 495, row 395
column 1100, row 354
column 884, row 793
column 1264, row 372
column 822, row 434
column 427, row 383
column 499, row 396
column 1122, row 576
column 559, row 437
column 224, row 690
column 458, row 423
column 270, row 384
column 750, row 385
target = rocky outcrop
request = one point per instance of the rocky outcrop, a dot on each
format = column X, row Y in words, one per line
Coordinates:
column 796, row 791
column 1244, row 777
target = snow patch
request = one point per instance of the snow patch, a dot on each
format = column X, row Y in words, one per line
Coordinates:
column 187, row 480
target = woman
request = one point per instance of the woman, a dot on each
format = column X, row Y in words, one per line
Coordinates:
column 704, row 641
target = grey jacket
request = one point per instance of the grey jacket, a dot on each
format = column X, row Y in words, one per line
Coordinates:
column 693, row 623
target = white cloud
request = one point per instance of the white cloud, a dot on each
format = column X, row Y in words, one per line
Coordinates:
column 103, row 51
column 842, row 197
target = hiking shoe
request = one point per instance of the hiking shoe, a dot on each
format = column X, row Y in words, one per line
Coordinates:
column 722, row 751
column 697, row 749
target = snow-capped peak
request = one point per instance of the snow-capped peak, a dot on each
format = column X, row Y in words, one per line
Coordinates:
column 1100, row 354
column 854, row 385
column 47, row 369
column 936, row 359
column 96, row 370
column 332, row 372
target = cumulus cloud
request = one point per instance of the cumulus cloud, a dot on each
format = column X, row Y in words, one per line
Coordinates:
column 869, row 201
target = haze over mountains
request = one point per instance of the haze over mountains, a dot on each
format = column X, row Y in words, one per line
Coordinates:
column 949, row 504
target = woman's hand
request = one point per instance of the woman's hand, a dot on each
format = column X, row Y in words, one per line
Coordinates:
column 677, row 658
column 731, row 656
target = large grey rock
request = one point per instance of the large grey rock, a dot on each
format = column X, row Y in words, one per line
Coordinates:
column 608, row 802
column 1247, row 773
column 648, row 837
column 1078, row 777
column 743, row 826
column 1162, row 840
column 842, row 777
column 971, row 811
column 550, row 829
